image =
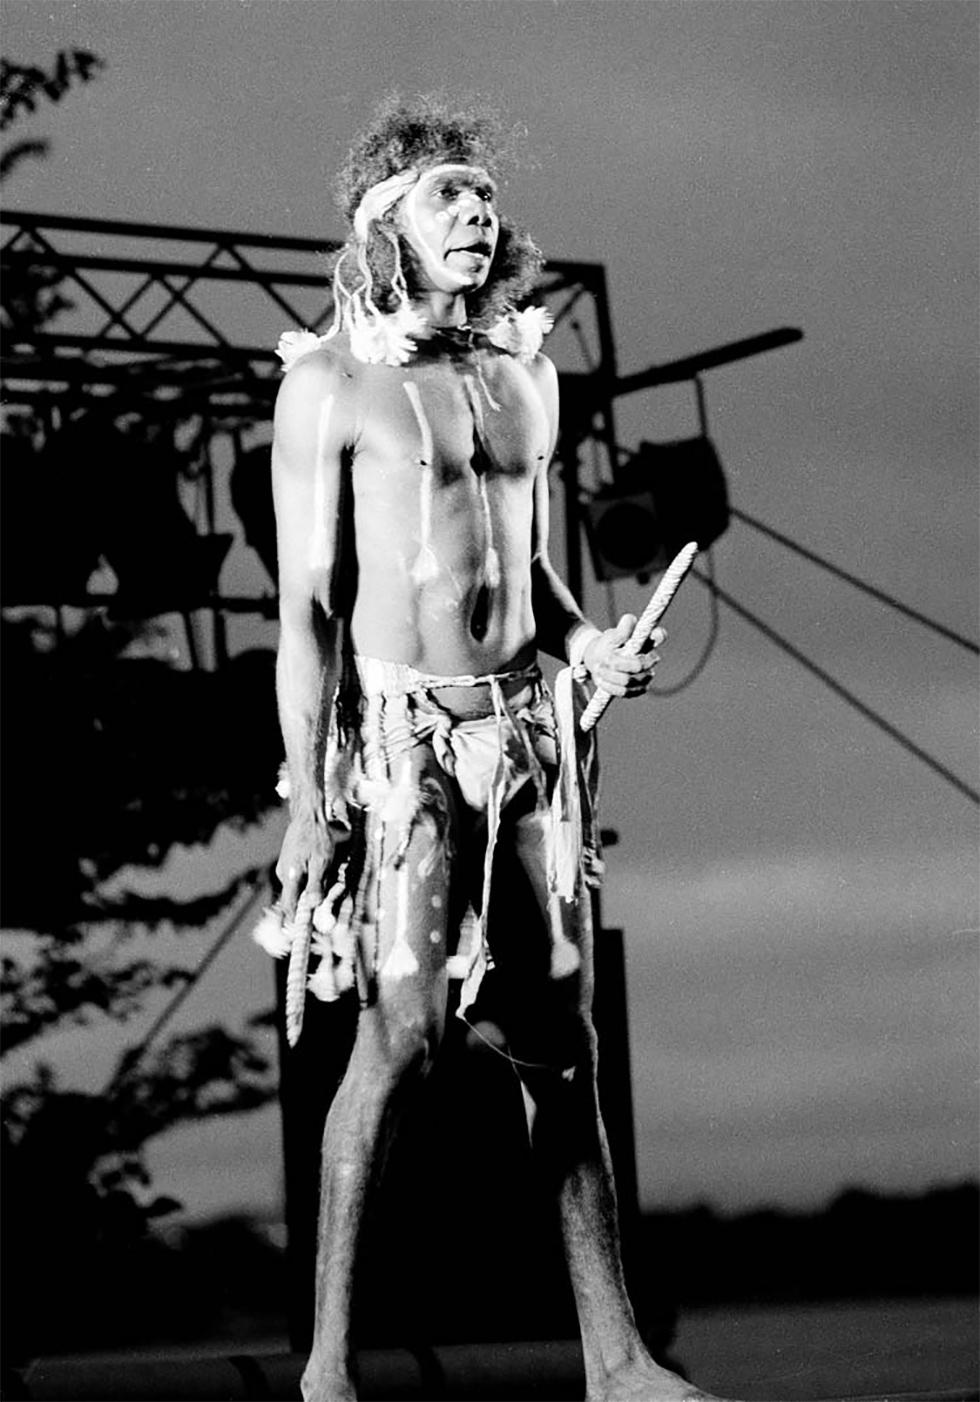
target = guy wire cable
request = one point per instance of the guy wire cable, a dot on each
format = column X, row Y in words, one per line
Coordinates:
column 840, row 690
column 255, row 890
column 858, row 583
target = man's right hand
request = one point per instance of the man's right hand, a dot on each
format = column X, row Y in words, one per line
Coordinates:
column 304, row 860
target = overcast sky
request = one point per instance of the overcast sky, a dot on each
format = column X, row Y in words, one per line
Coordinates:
column 799, row 893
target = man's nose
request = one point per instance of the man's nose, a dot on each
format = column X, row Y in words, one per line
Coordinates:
column 473, row 210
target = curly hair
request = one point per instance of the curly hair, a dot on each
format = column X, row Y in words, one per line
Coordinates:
column 418, row 133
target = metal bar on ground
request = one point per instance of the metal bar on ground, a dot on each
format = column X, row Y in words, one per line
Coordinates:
column 503, row 1372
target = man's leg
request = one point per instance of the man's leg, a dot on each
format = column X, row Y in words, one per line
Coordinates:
column 397, row 1037
column 549, row 1022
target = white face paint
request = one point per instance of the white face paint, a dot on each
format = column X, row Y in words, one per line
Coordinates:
column 426, row 565
column 319, row 557
column 450, row 221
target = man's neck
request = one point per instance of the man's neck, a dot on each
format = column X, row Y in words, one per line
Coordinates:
column 441, row 309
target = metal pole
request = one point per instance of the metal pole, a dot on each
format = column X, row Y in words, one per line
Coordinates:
column 608, row 370
column 702, row 406
column 573, row 541
column 610, row 1010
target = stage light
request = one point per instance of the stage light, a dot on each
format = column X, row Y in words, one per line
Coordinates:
column 161, row 562
column 47, row 525
column 99, row 489
column 666, row 495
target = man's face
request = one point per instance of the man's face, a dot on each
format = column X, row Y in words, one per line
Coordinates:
column 449, row 219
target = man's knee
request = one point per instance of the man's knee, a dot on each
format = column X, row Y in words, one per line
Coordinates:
column 397, row 1041
column 547, row 1021
column 576, row 1046
column 412, row 1040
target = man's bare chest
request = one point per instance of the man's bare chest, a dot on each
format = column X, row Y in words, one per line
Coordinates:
column 474, row 415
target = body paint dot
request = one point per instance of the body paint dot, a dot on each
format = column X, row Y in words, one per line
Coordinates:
column 434, row 936
column 437, row 903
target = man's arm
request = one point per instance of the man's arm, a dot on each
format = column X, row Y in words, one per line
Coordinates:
column 307, row 479
column 562, row 628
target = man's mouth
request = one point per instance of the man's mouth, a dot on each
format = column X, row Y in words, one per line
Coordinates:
column 476, row 250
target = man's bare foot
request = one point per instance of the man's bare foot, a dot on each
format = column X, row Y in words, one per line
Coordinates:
column 646, row 1381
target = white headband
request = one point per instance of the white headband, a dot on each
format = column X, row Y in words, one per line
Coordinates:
column 379, row 199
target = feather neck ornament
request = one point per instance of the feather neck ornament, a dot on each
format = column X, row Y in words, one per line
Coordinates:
column 391, row 338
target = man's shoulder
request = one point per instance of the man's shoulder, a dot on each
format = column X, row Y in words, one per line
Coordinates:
column 310, row 360
column 314, row 371
column 316, row 403
column 541, row 369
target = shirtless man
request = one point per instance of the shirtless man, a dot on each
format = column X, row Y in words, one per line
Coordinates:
column 410, row 464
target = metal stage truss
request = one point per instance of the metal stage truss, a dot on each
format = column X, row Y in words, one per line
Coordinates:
column 151, row 301
column 177, row 325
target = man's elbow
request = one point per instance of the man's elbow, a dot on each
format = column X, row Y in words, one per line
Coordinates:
column 309, row 615
column 544, row 578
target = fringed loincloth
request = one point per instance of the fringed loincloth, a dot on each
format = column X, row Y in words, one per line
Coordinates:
column 377, row 797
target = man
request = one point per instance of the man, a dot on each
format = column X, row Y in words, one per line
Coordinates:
column 410, row 464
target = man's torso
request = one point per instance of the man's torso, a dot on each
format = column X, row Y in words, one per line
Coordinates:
column 442, row 467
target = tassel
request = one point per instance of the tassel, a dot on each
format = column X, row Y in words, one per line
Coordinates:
column 343, row 937
column 323, row 917
column 401, row 800
column 343, row 976
column 272, row 934
column 323, row 984
column 377, row 339
column 295, row 344
column 344, row 948
column 521, row 333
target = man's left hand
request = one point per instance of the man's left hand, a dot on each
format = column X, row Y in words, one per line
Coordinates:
column 617, row 671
